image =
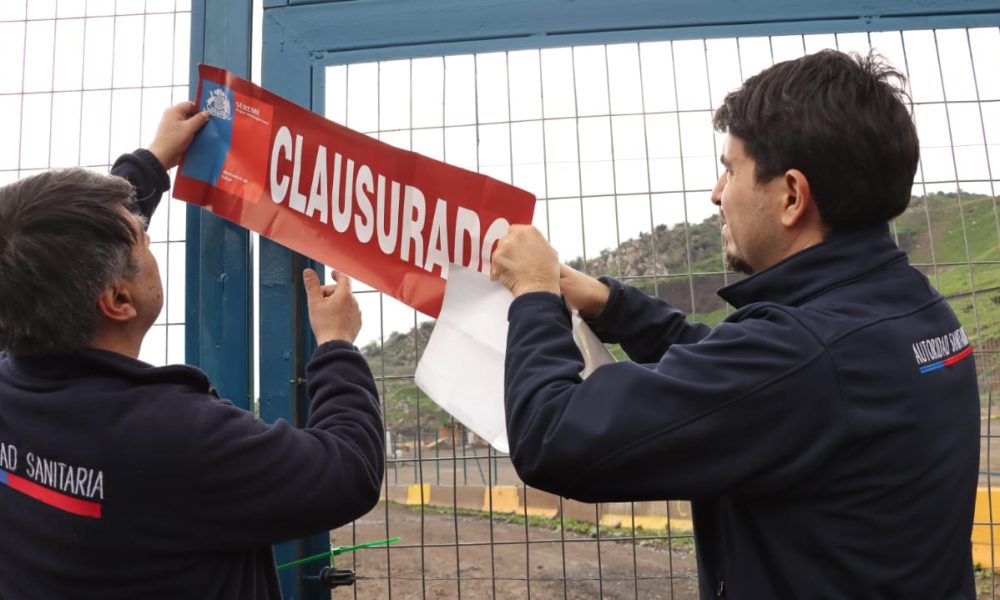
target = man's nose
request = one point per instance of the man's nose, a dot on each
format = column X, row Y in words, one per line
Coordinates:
column 717, row 192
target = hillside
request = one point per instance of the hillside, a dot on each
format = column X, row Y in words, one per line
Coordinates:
column 683, row 264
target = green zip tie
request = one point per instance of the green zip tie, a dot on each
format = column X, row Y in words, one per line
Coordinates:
column 334, row 551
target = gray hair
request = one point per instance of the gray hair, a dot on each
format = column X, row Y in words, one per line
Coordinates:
column 63, row 239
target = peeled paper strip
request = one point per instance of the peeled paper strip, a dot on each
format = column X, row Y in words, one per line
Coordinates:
column 462, row 366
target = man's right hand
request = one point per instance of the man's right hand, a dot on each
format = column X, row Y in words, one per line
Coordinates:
column 525, row 262
column 333, row 311
column 584, row 293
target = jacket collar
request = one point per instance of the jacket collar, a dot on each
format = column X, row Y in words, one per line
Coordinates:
column 839, row 258
column 91, row 362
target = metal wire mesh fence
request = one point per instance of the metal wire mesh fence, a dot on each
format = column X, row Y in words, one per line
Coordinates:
column 617, row 144
column 81, row 82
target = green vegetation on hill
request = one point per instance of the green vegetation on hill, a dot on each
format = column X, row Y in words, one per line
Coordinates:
column 956, row 252
column 954, row 238
column 665, row 251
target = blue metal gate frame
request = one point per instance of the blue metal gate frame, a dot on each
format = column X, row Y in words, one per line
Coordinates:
column 302, row 37
column 218, row 308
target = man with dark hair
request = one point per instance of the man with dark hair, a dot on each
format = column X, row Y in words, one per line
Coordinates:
column 123, row 480
column 827, row 431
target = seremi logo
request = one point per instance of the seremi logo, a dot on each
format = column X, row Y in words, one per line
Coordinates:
column 236, row 121
column 218, row 104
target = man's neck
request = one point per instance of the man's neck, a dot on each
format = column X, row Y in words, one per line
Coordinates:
column 797, row 241
column 119, row 342
column 805, row 241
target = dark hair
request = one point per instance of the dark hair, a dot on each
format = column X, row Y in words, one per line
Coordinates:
column 842, row 121
column 63, row 239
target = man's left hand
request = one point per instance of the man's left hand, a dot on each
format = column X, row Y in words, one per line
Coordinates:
column 176, row 130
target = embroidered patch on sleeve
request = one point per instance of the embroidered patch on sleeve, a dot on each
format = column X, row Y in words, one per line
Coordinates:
column 942, row 351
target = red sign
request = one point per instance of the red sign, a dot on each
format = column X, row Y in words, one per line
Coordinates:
column 385, row 216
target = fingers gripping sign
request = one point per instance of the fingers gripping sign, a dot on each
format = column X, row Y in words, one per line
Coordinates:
column 525, row 262
column 176, row 130
column 583, row 292
column 333, row 311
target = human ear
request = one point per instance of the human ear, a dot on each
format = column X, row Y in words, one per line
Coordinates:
column 115, row 303
column 798, row 200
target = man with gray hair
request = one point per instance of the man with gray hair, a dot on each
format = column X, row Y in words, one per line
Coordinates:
column 120, row 479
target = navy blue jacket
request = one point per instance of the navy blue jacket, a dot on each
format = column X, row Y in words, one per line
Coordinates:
column 123, row 480
column 826, row 432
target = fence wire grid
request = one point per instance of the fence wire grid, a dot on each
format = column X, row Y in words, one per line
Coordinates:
column 617, row 144
column 83, row 81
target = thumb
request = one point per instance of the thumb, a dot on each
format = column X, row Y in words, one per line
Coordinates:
column 197, row 120
column 183, row 110
column 311, row 282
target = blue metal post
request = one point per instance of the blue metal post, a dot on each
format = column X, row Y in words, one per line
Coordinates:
column 218, row 307
column 286, row 341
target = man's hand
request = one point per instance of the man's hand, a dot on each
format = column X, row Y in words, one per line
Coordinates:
column 333, row 310
column 176, row 130
column 525, row 262
column 583, row 292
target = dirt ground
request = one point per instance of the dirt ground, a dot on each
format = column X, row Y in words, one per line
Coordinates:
column 521, row 562
column 560, row 566
column 500, row 559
